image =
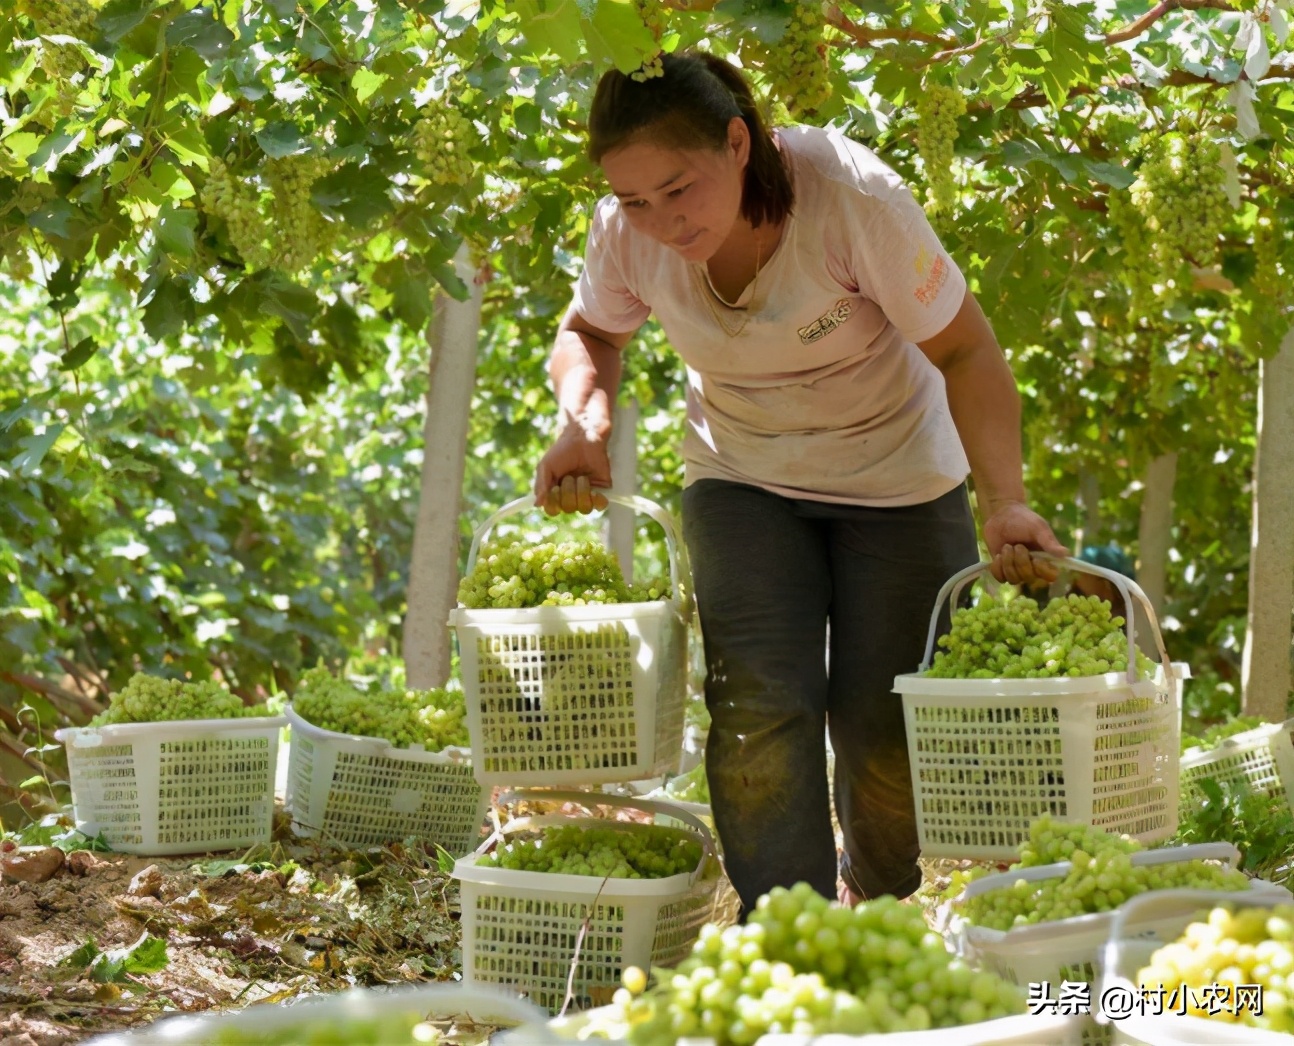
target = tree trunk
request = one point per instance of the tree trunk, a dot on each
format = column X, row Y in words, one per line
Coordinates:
column 1154, row 534
column 618, row 530
column 1089, row 493
column 433, row 573
column 1266, row 670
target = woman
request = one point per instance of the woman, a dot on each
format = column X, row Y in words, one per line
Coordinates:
column 820, row 321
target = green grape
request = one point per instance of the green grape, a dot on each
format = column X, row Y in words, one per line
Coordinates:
column 654, row 16
column 621, row 852
column 570, row 573
column 301, row 233
column 796, row 65
column 61, row 18
column 1012, row 638
column 390, row 1029
column 1271, row 279
column 1250, row 946
column 1221, row 731
column 435, row 719
column 938, row 109
column 1100, row 877
column 441, row 140
column 237, row 202
column 1180, row 195
column 1140, row 269
column 149, row 699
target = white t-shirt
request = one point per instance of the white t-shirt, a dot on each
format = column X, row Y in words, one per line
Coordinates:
column 822, row 395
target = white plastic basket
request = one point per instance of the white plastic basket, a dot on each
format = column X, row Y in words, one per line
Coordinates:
column 1168, row 913
column 990, row 756
column 187, row 786
column 1263, row 758
column 362, row 791
column 1020, row 1030
column 479, row 1004
column 581, row 694
column 523, row 930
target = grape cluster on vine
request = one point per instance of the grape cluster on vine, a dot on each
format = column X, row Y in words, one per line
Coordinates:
column 1013, row 638
column 625, row 852
column 74, row 18
column 301, row 233
column 796, row 65
column 151, row 699
column 1100, row 876
column 568, row 573
column 803, row 965
column 1248, row 946
column 441, row 140
column 237, row 202
column 435, row 719
column 1273, row 279
column 939, row 107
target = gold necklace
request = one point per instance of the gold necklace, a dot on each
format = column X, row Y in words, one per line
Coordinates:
column 711, row 295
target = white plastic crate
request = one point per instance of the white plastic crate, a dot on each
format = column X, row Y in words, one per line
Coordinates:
column 187, row 786
column 1069, row 949
column 522, row 930
column 1168, row 913
column 581, row 694
column 363, row 791
column 1263, row 758
column 990, row 756
column 310, row 1016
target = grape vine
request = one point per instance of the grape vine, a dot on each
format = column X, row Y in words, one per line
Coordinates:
column 939, row 107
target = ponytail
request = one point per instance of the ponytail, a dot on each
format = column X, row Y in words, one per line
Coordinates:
column 688, row 106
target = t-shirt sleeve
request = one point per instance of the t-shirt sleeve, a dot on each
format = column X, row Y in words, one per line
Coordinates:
column 602, row 293
column 897, row 260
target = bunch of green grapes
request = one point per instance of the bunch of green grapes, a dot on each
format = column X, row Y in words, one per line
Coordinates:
column 637, row 852
column 570, row 573
column 441, row 141
column 691, row 787
column 435, row 719
column 1180, row 195
column 1100, row 877
column 805, row 966
column 1013, row 638
column 1221, row 731
column 654, row 16
column 1271, row 280
column 237, row 203
column 1140, row 268
column 301, row 233
column 61, row 18
column 149, row 699
column 939, row 107
column 390, row 1029
column 1247, row 946
column 797, row 64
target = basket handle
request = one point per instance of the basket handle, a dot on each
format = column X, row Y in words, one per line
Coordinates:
column 1142, row 858
column 631, row 501
column 1128, row 588
column 589, row 800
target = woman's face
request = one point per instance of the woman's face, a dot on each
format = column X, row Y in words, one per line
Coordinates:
column 686, row 199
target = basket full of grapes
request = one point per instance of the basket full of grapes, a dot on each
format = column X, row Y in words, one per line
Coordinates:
column 553, row 902
column 1261, row 759
column 1200, row 967
column 571, row 675
column 172, row 767
column 1031, row 710
column 370, row 767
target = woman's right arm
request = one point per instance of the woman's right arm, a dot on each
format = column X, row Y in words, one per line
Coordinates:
column 585, row 371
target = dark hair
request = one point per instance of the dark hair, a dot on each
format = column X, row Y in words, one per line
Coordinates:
column 690, row 104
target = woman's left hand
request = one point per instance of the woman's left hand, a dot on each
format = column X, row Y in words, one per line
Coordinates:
column 1011, row 533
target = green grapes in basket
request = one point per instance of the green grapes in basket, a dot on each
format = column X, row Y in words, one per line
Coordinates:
column 569, row 573
column 646, row 852
column 435, row 719
column 150, row 699
column 1100, row 878
column 1014, row 638
column 400, row 1029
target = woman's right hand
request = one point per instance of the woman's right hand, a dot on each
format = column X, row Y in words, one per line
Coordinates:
column 574, row 466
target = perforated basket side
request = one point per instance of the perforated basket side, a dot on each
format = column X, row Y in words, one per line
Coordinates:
column 361, row 791
column 573, row 695
column 1134, row 781
column 1262, row 758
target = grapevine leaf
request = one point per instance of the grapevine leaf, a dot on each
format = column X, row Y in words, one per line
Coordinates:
column 201, row 31
column 281, row 138
column 1067, row 44
column 79, row 354
column 366, row 83
column 292, row 303
column 353, row 193
column 169, row 310
column 35, row 447
column 617, row 36
column 768, row 21
column 552, row 28
column 146, row 955
column 81, row 957
column 175, row 229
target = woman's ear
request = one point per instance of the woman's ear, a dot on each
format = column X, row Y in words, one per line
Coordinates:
column 739, row 141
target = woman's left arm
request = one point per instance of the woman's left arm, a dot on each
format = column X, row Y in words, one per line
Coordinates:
column 986, row 410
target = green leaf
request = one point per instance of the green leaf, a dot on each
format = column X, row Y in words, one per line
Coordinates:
column 201, row 30
column 175, row 229
column 281, row 138
column 169, row 310
column 188, row 145
column 82, row 957
column 119, row 17
column 292, row 303
column 354, row 194
column 617, row 36
column 365, row 83
column 768, row 20
column 146, row 955
column 54, row 218
column 552, row 27
column 1066, row 42
column 79, row 354
column 35, row 447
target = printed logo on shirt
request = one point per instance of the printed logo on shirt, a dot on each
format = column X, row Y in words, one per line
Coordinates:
column 827, row 322
column 932, row 276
